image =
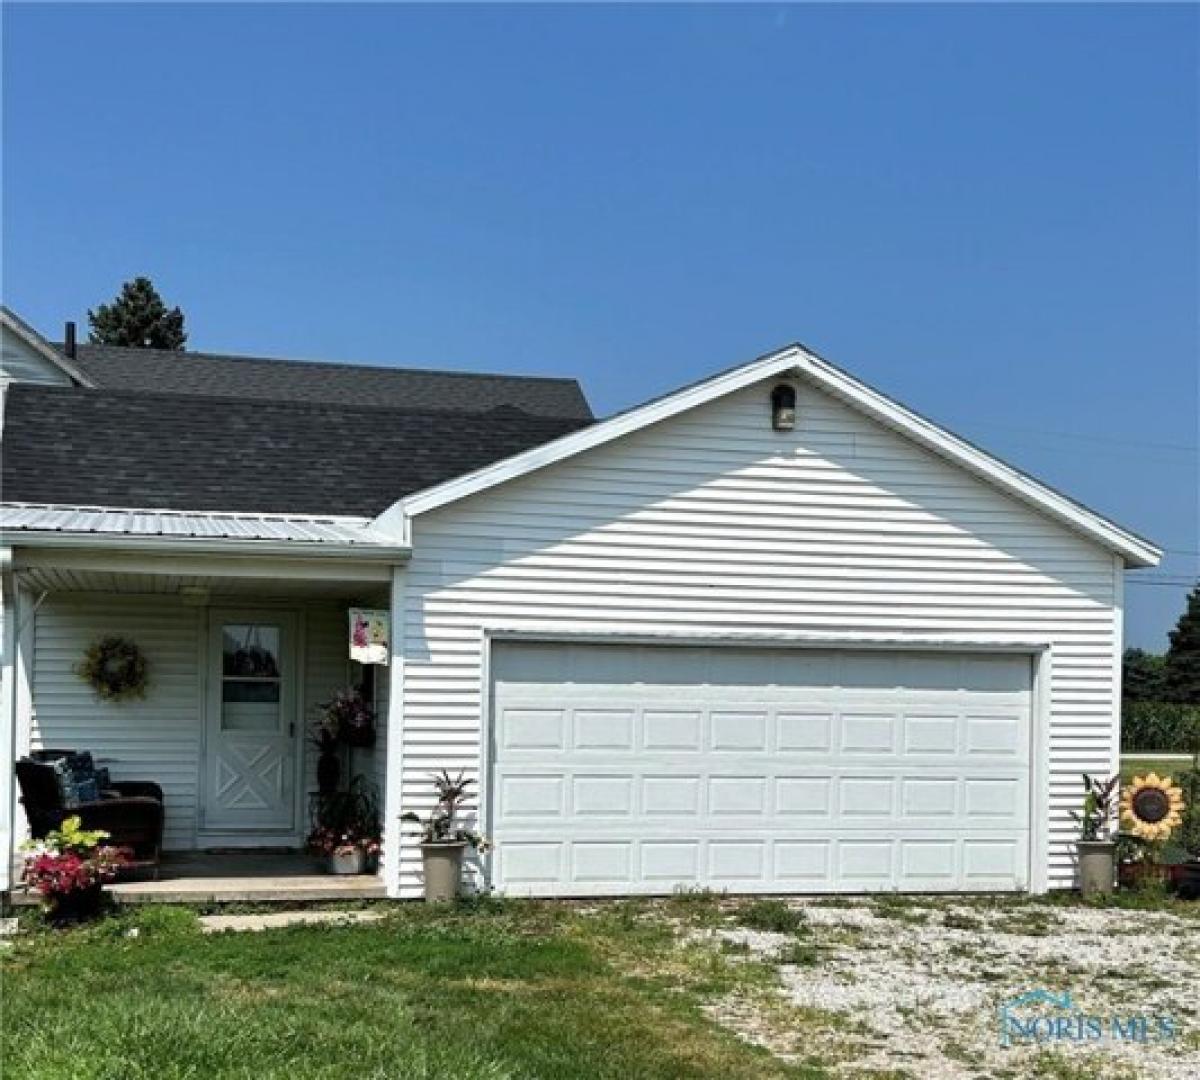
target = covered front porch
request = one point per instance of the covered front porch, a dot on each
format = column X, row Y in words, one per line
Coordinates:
column 247, row 876
column 243, row 652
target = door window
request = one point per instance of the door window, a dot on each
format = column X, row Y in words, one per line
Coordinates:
column 251, row 680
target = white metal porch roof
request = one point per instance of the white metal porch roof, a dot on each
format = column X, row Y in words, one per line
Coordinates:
column 33, row 523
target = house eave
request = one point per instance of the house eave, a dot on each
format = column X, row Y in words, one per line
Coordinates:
column 176, row 545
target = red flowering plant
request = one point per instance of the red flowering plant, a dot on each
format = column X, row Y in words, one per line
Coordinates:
column 70, row 861
column 347, row 821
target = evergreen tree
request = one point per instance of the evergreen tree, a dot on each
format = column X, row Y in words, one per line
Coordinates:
column 1144, row 677
column 138, row 318
column 1183, row 657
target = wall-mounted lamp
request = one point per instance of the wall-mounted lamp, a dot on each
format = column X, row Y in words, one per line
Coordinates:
column 783, row 407
column 193, row 595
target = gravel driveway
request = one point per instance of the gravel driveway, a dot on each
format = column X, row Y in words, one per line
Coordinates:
column 904, row 986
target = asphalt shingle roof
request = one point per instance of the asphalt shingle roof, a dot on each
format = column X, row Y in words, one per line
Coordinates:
column 191, row 452
column 159, row 371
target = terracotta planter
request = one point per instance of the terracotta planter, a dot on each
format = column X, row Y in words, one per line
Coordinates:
column 443, row 870
column 1097, row 867
column 350, row 862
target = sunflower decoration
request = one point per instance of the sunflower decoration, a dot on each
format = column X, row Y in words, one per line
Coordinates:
column 1152, row 807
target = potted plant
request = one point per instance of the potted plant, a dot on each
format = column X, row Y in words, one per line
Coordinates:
column 444, row 838
column 1096, row 846
column 70, row 867
column 350, row 716
column 347, row 833
column 329, row 764
column 1187, row 872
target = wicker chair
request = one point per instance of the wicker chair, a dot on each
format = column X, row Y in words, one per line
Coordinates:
column 131, row 811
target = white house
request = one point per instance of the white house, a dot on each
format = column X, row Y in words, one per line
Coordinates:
column 700, row 643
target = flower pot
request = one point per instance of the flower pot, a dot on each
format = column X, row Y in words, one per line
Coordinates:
column 443, row 869
column 1186, row 877
column 348, row 862
column 360, row 736
column 1134, row 875
column 77, row 905
column 1097, row 866
column 329, row 773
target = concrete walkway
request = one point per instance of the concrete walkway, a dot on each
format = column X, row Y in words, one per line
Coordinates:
column 216, row 924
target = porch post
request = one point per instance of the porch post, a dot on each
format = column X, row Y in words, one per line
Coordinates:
column 394, row 787
column 16, row 705
column 8, row 712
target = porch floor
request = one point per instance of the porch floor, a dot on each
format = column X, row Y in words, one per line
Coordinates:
column 249, row 876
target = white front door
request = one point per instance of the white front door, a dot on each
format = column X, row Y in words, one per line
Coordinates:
column 641, row 769
column 250, row 755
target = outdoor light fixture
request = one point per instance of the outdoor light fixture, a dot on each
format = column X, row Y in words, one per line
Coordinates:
column 783, row 407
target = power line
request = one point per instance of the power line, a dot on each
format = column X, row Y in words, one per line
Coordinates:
column 1183, row 448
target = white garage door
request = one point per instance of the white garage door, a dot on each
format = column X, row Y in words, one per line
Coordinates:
column 623, row 769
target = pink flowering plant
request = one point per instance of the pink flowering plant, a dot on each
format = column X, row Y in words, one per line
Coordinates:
column 349, row 716
column 70, row 860
column 347, row 821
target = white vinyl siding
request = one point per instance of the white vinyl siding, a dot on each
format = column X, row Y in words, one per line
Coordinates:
column 159, row 737
column 20, row 362
column 711, row 523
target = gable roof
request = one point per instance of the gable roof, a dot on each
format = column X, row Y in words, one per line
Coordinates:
column 211, row 375
column 73, row 447
column 55, row 357
column 792, row 359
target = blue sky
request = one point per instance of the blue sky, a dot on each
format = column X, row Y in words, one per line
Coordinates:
column 989, row 212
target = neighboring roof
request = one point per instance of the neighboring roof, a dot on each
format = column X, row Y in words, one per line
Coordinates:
column 65, row 446
column 304, row 534
column 792, row 359
column 209, row 375
column 13, row 322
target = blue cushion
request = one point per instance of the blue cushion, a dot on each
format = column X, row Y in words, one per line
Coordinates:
column 66, row 783
column 86, row 791
column 82, row 766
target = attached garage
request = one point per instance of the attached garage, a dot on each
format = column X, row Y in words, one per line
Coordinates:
column 625, row 769
column 772, row 633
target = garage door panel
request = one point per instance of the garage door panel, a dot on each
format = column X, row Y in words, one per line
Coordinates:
column 603, row 787
column 534, row 729
column 604, row 729
column 738, row 731
column 804, row 732
column 608, row 796
column 674, row 731
column 671, row 795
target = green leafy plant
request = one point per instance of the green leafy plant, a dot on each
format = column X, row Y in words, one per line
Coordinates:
column 773, row 915
column 443, row 826
column 1099, row 807
column 70, row 861
column 347, row 821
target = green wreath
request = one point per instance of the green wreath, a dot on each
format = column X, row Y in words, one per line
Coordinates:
column 115, row 668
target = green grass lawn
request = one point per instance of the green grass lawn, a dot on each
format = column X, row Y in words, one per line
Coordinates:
column 1140, row 764
column 493, row 991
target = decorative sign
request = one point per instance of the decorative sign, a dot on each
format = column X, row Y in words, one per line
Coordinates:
column 369, row 635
